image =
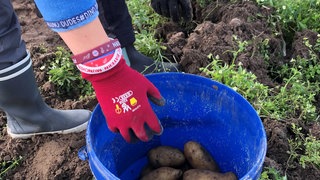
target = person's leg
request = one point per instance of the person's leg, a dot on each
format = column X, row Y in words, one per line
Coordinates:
column 117, row 22
column 27, row 113
column 12, row 48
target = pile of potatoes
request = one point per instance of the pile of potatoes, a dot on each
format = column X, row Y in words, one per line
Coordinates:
column 194, row 163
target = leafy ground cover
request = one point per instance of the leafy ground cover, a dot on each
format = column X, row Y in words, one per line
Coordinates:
column 268, row 51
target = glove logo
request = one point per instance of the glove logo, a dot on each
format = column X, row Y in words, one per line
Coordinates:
column 125, row 102
column 133, row 101
column 118, row 110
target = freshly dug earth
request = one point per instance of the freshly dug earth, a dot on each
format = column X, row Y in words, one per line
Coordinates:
column 213, row 31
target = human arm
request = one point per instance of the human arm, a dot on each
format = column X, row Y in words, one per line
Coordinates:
column 136, row 119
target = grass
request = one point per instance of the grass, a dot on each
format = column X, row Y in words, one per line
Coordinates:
column 6, row 166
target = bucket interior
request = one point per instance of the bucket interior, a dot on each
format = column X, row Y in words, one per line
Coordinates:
column 197, row 109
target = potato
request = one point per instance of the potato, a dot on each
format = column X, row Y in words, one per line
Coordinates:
column 199, row 157
column 166, row 156
column 230, row 176
column 163, row 173
column 203, row 174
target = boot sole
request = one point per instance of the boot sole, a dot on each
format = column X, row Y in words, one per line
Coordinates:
column 76, row 129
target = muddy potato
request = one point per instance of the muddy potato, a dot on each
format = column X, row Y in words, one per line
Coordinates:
column 166, row 156
column 163, row 173
column 230, row 176
column 203, row 174
column 199, row 157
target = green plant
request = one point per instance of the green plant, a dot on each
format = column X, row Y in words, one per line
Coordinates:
column 296, row 15
column 8, row 165
column 149, row 46
column 64, row 74
column 295, row 145
column 240, row 47
column 143, row 16
column 270, row 173
column 312, row 152
column 238, row 79
column 145, row 21
column 308, row 66
column 294, row 99
column 303, row 148
column 263, row 48
column 203, row 3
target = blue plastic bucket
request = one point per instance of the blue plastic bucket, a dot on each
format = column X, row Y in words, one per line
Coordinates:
column 197, row 108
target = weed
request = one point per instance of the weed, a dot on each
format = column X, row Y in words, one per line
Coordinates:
column 264, row 50
column 296, row 15
column 309, row 66
column 145, row 21
column 42, row 49
column 149, row 46
column 203, row 3
column 301, row 85
column 295, row 145
column 66, row 76
column 304, row 148
column 270, row 173
column 8, row 165
column 143, row 16
column 312, row 152
column 238, row 79
column 295, row 98
column 241, row 47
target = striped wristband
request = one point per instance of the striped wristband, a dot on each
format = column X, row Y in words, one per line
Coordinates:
column 96, row 52
column 101, row 64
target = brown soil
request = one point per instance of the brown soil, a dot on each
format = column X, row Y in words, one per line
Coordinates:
column 212, row 31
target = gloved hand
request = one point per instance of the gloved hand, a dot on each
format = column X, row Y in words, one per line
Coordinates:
column 123, row 96
column 174, row 9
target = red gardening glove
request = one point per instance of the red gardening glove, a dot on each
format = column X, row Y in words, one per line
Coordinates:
column 123, row 96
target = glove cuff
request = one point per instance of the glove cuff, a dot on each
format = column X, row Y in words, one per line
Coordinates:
column 107, row 74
